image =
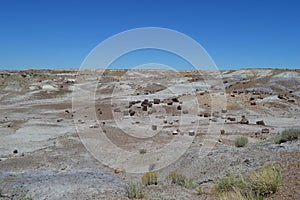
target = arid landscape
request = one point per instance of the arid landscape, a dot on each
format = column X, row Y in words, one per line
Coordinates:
column 220, row 124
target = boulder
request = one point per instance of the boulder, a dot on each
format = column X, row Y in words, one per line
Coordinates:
column 131, row 112
column 214, row 119
column 231, row 119
column 185, row 111
column 169, row 102
column 145, row 108
column 179, row 108
column 175, row 99
column 261, row 122
column 224, row 110
column 145, row 102
column 119, row 170
column 117, row 110
column 244, row 121
column 222, row 132
column 156, row 101
column 154, row 127
column 265, row 130
column 191, row 132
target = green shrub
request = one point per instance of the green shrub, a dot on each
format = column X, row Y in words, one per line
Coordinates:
column 266, row 181
column 180, row 179
column 232, row 195
column 231, row 183
column 199, row 190
column 288, row 135
column 143, row 151
column 238, row 195
column 241, row 141
column 135, row 190
column 150, row 178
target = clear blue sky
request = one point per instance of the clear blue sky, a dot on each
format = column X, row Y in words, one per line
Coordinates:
column 236, row 33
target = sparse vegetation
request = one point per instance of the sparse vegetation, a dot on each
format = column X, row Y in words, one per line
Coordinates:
column 237, row 195
column 180, row 179
column 143, row 151
column 160, row 197
column 231, row 183
column 135, row 191
column 150, row 178
column 241, row 141
column 199, row 190
column 266, row 181
column 288, row 135
column 255, row 186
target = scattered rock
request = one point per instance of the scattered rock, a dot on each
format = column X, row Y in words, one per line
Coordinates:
column 281, row 96
column 175, row 99
column 131, row 112
column 214, row 119
column 119, row 170
column 145, row 102
column 59, row 120
column 145, row 108
column 265, row 130
column 231, row 119
column 252, row 103
column 156, row 101
column 191, row 132
column 224, row 110
column 244, row 121
column 185, row 111
column 206, row 114
column 117, row 110
column 125, row 112
column 169, row 102
column 15, row 151
column 179, row 108
column 154, row 127
column 261, row 122
column 94, row 126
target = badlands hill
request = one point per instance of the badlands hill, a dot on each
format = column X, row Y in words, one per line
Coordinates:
column 51, row 120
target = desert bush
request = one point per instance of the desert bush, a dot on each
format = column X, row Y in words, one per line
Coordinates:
column 288, row 135
column 180, row 179
column 150, row 178
column 238, row 195
column 199, row 190
column 231, row 183
column 143, row 151
column 232, row 195
column 135, row 191
column 266, row 181
column 241, row 141
column 160, row 197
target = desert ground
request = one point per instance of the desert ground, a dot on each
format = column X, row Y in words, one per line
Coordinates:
column 54, row 124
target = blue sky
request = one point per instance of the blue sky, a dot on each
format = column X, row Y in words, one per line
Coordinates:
column 236, row 33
